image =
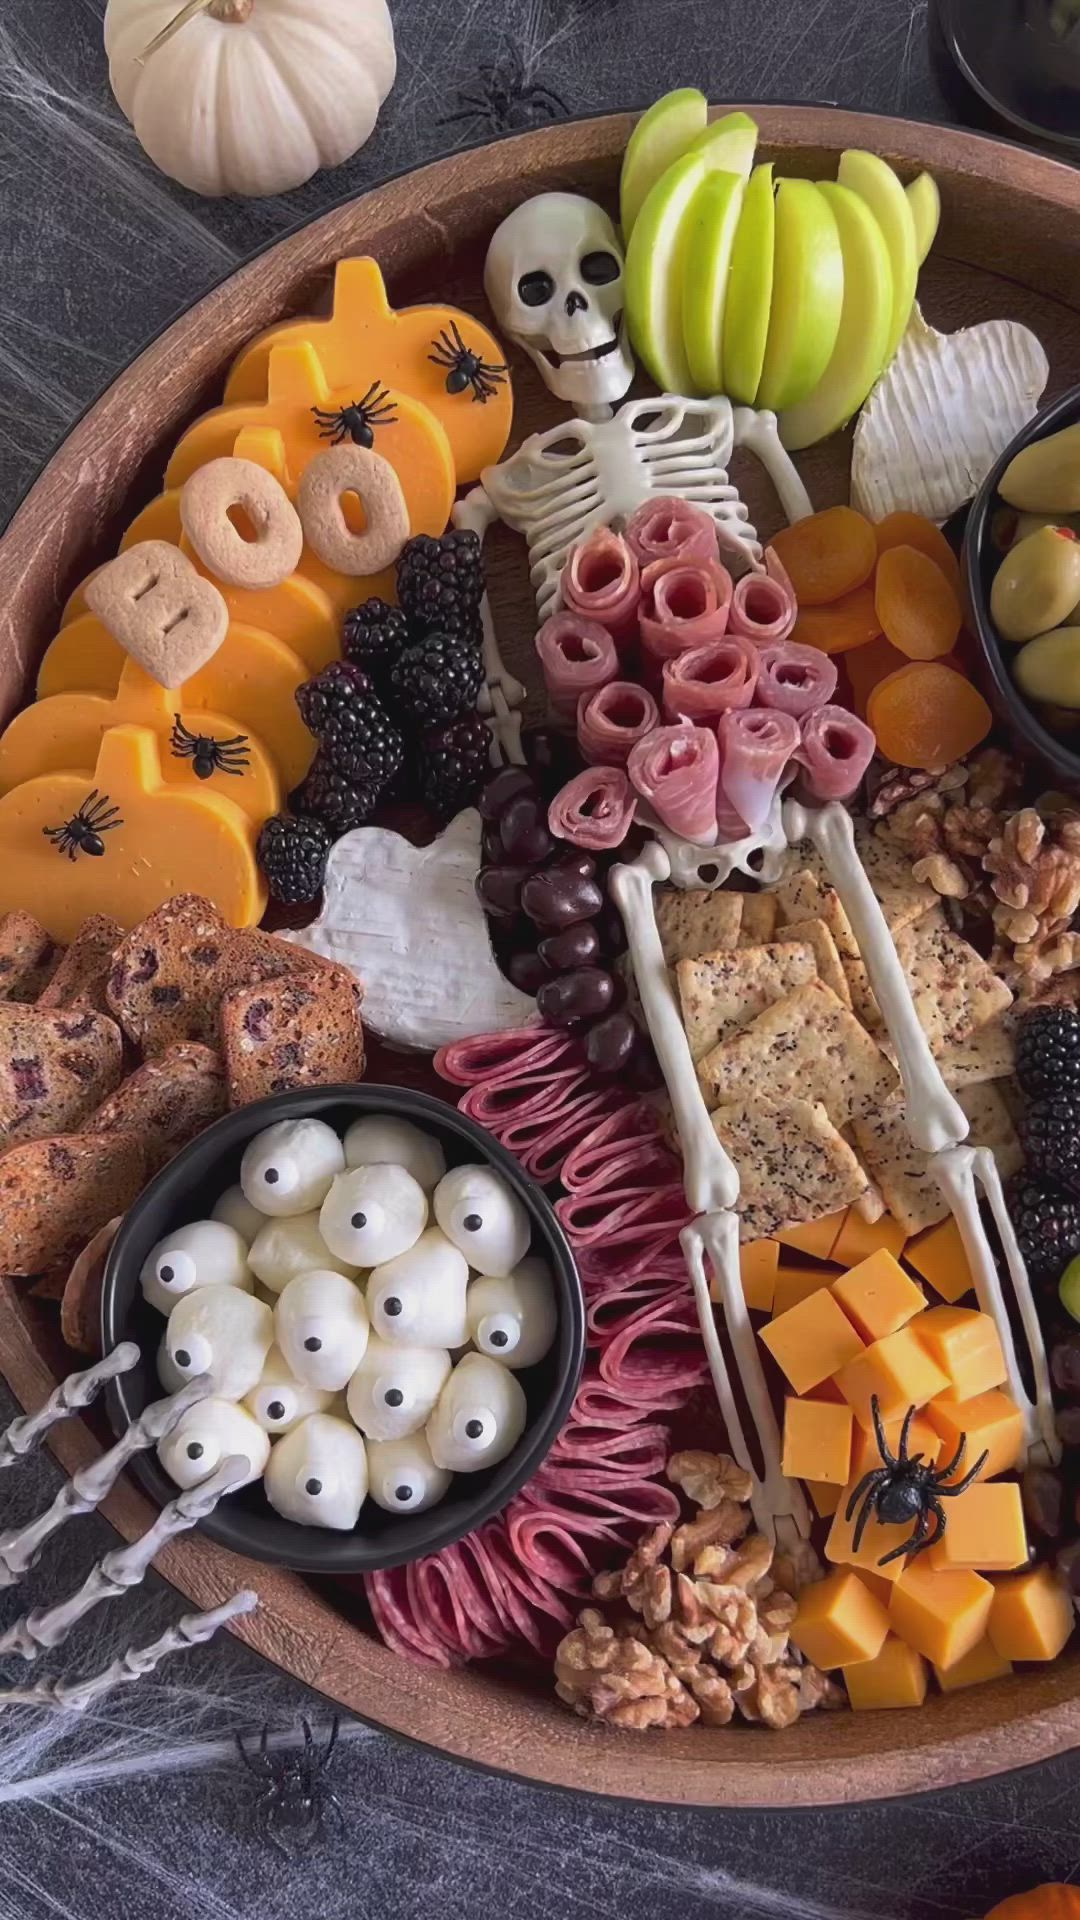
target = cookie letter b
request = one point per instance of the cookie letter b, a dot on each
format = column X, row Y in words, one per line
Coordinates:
column 163, row 613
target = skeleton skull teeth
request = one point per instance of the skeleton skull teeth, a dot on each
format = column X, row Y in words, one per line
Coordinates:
column 554, row 280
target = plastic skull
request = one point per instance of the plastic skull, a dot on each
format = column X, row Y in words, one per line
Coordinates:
column 381, row 1140
column 288, row 1167
column 486, row 1221
column 418, row 1298
column 372, row 1214
column 402, row 1476
column 554, row 281
column 205, row 1254
column 513, row 1317
column 317, row 1474
column 479, row 1416
column 280, row 1399
column 283, row 1248
column 206, row 1435
column 394, row 1388
column 222, row 1332
column 321, row 1325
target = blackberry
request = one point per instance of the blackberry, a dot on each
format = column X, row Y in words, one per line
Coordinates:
column 1050, row 1135
column 331, row 798
column 373, row 635
column 440, row 584
column 293, row 855
column 1047, row 1223
column 436, row 681
column 340, row 684
column 454, row 764
column 1048, row 1051
column 352, row 727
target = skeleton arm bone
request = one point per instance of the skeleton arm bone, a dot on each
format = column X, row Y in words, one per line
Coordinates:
column 758, row 433
column 475, row 514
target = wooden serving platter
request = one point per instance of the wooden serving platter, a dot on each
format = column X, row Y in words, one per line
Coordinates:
column 1008, row 247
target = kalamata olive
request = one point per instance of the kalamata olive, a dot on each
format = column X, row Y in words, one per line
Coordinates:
column 1065, row 1364
column 610, row 1043
column 1042, row 1494
column 498, row 890
column 1067, row 1421
column 503, row 787
column 573, row 997
column 523, row 831
column 1037, row 584
column 1045, row 476
column 642, row 1071
column 528, row 972
column 612, row 931
column 575, row 946
column 571, row 860
column 1068, row 1565
column 559, row 897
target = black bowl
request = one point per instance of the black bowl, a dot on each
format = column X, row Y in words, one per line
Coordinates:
column 1002, row 65
column 982, row 559
column 186, row 1190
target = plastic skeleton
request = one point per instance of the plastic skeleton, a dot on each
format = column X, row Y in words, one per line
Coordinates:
column 554, row 280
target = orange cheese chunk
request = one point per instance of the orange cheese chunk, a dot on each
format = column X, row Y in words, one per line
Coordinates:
column 992, row 1423
column 898, row 1370
column 811, row 1341
column 984, row 1529
column 938, row 1255
column 896, row 1678
column 876, row 1542
column 859, row 1238
column 825, row 1496
column 941, row 1615
column 758, row 1261
column 922, row 1438
column 966, row 1347
column 798, row 1283
column 982, row 1663
column 877, row 1585
column 816, row 1237
column 839, row 1621
column 1032, row 1615
column 877, row 1295
column 817, row 1441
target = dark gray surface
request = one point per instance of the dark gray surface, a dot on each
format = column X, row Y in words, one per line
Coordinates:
column 142, row 1812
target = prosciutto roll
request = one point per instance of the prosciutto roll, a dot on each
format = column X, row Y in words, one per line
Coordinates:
column 764, row 606
column 705, row 682
column 594, row 809
column 578, row 656
column 671, row 529
column 601, row 581
column 836, row 748
column 683, row 605
column 755, row 747
column 795, row 679
column 610, row 723
column 676, row 770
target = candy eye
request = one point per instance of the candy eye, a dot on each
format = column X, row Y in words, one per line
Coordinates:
column 474, row 1428
column 195, row 1450
column 390, row 1394
column 176, row 1270
column 195, row 1356
column 472, row 1223
column 281, row 1176
column 395, row 1311
column 316, row 1486
column 278, row 1409
column 498, row 1334
column 402, row 1494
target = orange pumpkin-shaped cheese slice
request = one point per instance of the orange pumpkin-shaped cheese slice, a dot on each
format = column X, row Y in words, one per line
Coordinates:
column 123, row 840
column 438, row 355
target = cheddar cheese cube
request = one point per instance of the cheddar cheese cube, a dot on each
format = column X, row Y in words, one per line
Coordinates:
column 1032, row 1615
column 815, row 1237
column 897, row 1370
column 817, row 1440
column 877, row 1540
column 965, row 1345
column 859, row 1238
column 993, row 1424
column 839, row 1621
column 825, row 1496
column 758, row 1261
column 938, row 1256
column 984, row 1529
column 877, row 1585
column 811, row 1341
column 922, row 1438
column 897, row 1677
column 798, row 1283
column 878, row 1296
column 941, row 1615
column 984, row 1662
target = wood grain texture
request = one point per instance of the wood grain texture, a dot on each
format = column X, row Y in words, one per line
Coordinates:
column 1008, row 246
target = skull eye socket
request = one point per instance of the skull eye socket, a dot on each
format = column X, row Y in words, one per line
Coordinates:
column 536, row 289
column 599, row 269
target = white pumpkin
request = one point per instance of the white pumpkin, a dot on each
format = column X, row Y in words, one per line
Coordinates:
column 250, row 96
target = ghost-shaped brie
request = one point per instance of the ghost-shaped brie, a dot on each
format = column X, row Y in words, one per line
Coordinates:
column 380, row 1140
column 321, row 1326
column 479, row 1416
column 418, row 1299
column 317, row 1474
column 206, row 1435
column 280, row 1399
column 394, row 1388
column 477, row 1211
column 402, row 1476
column 222, row 1332
column 372, row 1214
column 288, row 1168
column 238, row 1212
column 283, row 1248
column 513, row 1318
column 206, row 1254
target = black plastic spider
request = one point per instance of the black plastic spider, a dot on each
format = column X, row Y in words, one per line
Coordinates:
column 294, row 1799
column 357, row 422
column 903, row 1489
column 206, row 754
column 504, row 97
column 82, row 833
column 465, row 368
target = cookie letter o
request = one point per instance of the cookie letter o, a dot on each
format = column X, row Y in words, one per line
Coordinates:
column 325, row 482
column 163, row 613
column 205, row 504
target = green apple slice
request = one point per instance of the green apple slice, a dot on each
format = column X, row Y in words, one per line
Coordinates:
column 712, row 222
column 865, row 319
column 875, row 182
column 807, row 296
column 925, row 203
column 728, row 144
column 655, row 272
column 749, row 289
column 661, row 136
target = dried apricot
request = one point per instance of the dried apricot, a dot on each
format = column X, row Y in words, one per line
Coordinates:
column 927, row 715
column 850, row 622
column 827, row 555
column 912, row 530
column 866, row 666
column 916, row 607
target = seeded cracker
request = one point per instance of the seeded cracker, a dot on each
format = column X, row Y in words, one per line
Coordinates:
column 806, row 1046
column 827, row 959
column 695, row 922
column 721, row 992
column 989, row 1054
column 903, row 1172
column 792, row 1164
column 759, row 915
column 954, row 989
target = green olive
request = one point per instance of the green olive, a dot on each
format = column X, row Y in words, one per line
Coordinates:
column 1048, row 669
column 1045, row 477
column 1037, row 584
column 1026, row 523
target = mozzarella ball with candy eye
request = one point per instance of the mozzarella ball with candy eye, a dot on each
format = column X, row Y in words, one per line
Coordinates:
column 283, row 1248
column 206, row 1435
column 479, row 1416
column 321, row 1324
column 402, row 1476
column 372, row 1214
column 280, row 1399
column 239, row 1213
column 317, row 1474
column 419, row 1298
column 289, row 1168
column 205, row 1254
column 478, row 1212
column 514, row 1318
column 222, row 1332
column 394, row 1388
column 378, row 1140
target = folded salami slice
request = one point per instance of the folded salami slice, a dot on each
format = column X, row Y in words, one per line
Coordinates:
column 659, row 1349
column 525, row 1134
column 764, row 606
column 550, row 1539
column 595, row 809
column 586, row 1218
column 388, row 1598
column 487, row 1056
column 601, row 581
column 676, row 771
column 683, row 605
column 755, row 748
column 630, row 1127
column 545, row 1158
column 795, row 679
column 614, row 1306
column 671, row 529
column 495, row 1103
column 603, row 1406
column 704, row 682
column 635, row 1454
column 611, row 722
column 632, row 1253
column 836, row 748
column 577, row 656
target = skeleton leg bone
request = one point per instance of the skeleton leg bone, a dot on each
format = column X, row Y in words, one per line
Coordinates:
column 74, row 1393
column 191, row 1630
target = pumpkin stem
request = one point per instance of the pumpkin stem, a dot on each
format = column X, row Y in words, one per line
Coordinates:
column 234, row 12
